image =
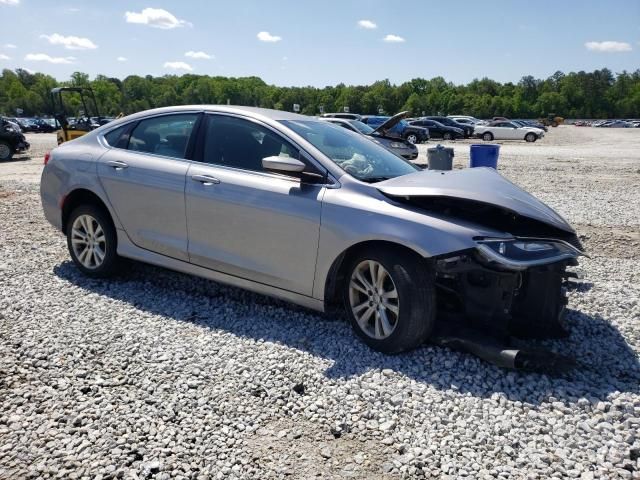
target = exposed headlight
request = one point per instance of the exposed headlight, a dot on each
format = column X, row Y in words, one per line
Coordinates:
column 520, row 254
column 397, row 145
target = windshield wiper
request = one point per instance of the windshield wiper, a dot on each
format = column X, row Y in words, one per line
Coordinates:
column 375, row 179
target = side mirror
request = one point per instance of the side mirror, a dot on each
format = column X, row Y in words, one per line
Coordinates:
column 283, row 165
column 292, row 167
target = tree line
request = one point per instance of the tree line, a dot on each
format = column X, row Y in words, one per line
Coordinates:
column 597, row 94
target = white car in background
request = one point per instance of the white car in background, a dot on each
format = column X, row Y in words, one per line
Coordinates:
column 506, row 130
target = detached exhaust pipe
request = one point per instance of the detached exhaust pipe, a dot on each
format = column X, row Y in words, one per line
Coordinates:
column 499, row 353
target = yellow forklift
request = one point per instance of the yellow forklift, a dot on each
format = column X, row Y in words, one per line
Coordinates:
column 76, row 112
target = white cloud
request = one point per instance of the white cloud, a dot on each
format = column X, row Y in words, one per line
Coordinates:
column 178, row 66
column 70, row 42
column 198, row 55
column 393, row 39
column 10, row 2
column 157, row 18
column 43, row 57
column 122, row 59
column 9, row 45
column 608, row 46
column 368, row 24
column 4, row 57
column 267, row 37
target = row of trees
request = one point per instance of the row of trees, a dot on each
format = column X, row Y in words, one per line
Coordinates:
column 597, row 94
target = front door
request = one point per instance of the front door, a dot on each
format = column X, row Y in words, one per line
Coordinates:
column 144, row 178
column 245, row 221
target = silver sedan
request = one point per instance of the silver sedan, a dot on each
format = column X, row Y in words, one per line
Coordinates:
column 297, row 208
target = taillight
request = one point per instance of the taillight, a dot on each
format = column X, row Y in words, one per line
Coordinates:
column 46, row 157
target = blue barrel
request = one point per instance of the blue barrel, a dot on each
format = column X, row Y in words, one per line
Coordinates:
column 484, row 155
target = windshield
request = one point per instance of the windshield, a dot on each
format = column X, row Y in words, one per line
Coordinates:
column 355, row 154
column 361, row 127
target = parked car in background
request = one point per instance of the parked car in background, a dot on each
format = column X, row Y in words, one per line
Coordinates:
column 11, row 141
column 449, row 122
column 616, row 124
column 349, row 116
column 289, row 206
column 403, row 129
column 42, row 126
column 531, row 123
column 399, row 146
column 507, row 130
column 12, row 123
column 438, row 130
column 465, row 119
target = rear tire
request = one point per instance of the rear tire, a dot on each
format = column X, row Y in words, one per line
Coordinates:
column 6, row 152
column 530, row 137
column 487, row 136
column 92, row 241
column 397, row 294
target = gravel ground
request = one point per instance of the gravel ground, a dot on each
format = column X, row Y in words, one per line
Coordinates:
column 160, row 375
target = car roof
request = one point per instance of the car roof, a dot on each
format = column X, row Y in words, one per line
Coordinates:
column 251, row 111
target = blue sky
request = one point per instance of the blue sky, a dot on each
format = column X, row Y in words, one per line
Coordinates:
column 321, row 42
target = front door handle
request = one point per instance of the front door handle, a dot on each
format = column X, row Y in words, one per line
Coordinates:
column 118, row 165
column 205, row 179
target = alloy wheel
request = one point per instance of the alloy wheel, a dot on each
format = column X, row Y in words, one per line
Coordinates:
column 373, row 298
column 5, row 151
column 88, row 241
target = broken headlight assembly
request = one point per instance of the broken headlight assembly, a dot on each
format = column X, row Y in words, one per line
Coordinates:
column 523, row 253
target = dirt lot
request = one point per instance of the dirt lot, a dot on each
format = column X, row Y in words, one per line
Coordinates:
column 160, row 375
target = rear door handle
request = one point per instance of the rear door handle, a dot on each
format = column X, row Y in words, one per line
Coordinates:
column 205, row 179
column 118, row 165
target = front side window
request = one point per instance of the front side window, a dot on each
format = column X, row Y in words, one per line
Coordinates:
column 166, row 135
column 234, row 142
column 355, row 154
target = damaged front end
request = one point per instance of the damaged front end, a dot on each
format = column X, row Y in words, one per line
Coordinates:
column 509, row 286
column 505, row 288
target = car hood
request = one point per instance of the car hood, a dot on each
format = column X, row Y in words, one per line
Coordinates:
column 390, row 123
column 482, row 186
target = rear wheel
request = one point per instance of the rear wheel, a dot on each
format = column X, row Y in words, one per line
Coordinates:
column 487, row 136
column 390, row 299
column 6, row 151
column 92, row 241
column 530, row 137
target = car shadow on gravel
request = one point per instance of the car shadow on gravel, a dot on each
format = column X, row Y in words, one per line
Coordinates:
column 605, row 361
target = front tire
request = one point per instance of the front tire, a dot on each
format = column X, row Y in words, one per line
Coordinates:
column 530, row 137
column 412, row 138
column 6, row 152
column 447, row 136
column 92, row 241
column 390, row 299
column 487, row 136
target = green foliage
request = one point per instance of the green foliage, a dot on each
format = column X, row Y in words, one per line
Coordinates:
column 598, row 94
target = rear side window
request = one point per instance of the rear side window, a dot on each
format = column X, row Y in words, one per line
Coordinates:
column 166, row 135
column 238, row 143
column 116, row 138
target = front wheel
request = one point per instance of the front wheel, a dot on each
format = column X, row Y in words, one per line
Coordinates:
column 6, row 152
column 530, row 137
column 487, row 137
column 92, row 241
column 447, row 136
column 390, row 298
column 412, row 138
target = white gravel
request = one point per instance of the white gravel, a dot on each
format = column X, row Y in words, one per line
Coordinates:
column 160, row 375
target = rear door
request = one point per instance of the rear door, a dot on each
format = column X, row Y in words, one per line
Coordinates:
column 144, row 176
column 243, row 220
